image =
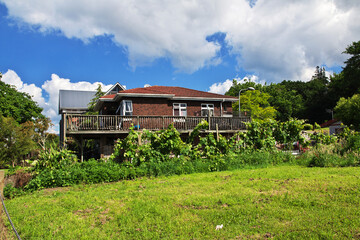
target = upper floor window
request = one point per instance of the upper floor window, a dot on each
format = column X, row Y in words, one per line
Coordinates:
column 125, row 108
column 207, row 109
column 179, row 109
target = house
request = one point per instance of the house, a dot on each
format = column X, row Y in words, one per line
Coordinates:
column 73, row 102
column 165, row 101
column 335, row 126
column 151, row 108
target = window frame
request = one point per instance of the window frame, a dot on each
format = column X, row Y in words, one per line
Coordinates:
column 122, row 108
column 178, row 106
column 207, row 107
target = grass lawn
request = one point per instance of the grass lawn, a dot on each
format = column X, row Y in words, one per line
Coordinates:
column 284, row 202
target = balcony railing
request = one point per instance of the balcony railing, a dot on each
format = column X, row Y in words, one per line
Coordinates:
column 86, row 123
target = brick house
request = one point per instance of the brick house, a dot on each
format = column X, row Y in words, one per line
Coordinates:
column 151, row 108
column 165, row 101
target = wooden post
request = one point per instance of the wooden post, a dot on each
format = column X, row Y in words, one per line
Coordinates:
column 163, row 122
column 209, row 122
column 63, row 130
column 102, row 146
column 81, row 149
column 217, row 132
column 139, row 139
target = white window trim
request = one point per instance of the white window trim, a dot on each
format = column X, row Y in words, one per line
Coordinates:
column 123, row 106
column 208, row 107
column 180, row 108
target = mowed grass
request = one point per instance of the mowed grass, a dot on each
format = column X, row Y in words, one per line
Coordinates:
column 284, row 202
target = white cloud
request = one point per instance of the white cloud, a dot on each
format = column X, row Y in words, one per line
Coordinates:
column 51, row 89
column 275, row 40
column 11, row 77
column 223, row 87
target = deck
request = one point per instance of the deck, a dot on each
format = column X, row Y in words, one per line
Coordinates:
column 75, row 124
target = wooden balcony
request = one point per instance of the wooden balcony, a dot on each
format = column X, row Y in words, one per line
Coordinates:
column 102, row 124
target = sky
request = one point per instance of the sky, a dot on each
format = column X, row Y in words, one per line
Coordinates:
column 200, row 44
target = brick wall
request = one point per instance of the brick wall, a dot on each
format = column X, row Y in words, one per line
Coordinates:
column 164, row 107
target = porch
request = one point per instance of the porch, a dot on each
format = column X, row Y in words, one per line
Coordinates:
column 75, row 124
column 108, row 128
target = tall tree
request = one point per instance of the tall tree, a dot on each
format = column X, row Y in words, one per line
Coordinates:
column 288, row 103
column 99, row 93
column 18, row 105
column 347, row 83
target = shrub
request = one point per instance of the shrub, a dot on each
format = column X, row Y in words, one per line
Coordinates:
column 54, row 158
column 11, row 191
column 308, row 126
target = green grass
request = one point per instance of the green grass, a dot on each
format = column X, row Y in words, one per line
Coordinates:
column 284, row 202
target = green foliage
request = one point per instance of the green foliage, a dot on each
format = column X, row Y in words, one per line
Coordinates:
column 308, row 126
column 99, row 93
column 16, row 140
column 320, row 138
column 163, row 153
column 327, row 156
column 257, row 104
column 348, row 111
column 288, row 103
column 195, row 133
column 55, row 158
column 11, row 192
column 17, row 105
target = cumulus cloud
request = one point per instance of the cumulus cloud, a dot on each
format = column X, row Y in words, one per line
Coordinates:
column 47, row 96
column 223, row 87
column 273, row 39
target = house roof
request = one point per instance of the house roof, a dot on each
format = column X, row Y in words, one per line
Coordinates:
column 170, row 92
column 116, row 87
column 332, row 122
column 74, row 100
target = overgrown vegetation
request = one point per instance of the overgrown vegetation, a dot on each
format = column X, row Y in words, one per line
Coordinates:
column 163, row 153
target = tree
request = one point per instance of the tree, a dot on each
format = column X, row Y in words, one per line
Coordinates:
column 99, row 93
column 236, row 87
column 348, row 111
column 41, row 125
column 347, row 83
column 16, row 140
column 17, row 105
column 257, row 104
column 288, row 103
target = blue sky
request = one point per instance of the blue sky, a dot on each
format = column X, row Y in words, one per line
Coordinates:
column 50, row 45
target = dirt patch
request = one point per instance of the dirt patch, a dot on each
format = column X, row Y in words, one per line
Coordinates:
column 57, row 189
column 18, row 180
column 83, row 213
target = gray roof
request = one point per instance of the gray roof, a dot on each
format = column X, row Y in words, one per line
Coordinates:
column 74, row 100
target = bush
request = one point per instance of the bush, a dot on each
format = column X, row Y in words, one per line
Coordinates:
column 11, row 192
column 54, row 158
column 308, row 126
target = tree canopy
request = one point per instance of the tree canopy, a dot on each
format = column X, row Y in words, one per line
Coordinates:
column 99, row 93
column 18, row 105
column 348, row 111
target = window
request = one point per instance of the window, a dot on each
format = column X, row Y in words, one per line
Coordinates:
column 179, row 109
column 207, row 109
column 125, row 108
